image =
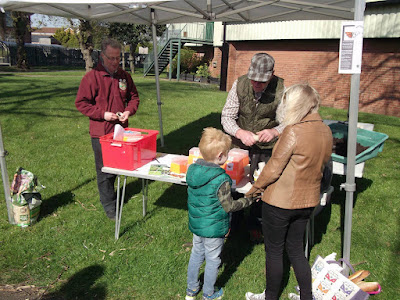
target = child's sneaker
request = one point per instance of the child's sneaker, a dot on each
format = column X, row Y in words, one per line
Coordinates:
column 252, row 296
column 191, row 295
column 216, row 296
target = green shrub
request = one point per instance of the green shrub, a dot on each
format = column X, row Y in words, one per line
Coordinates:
column 203, row 71
column 189, row 62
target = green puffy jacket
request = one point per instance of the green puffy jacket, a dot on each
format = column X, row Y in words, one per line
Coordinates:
column 207, row 218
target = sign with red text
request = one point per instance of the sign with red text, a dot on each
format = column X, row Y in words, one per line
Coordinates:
column 351, row 43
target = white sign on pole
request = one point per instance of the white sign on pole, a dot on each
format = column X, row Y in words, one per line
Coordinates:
column 351, row 43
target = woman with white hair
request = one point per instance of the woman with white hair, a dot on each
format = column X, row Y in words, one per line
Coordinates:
column 289, row 186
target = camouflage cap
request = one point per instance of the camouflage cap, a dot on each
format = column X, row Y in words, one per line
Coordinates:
column 261, row 67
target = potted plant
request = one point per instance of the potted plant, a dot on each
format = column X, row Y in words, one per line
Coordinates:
column 202, row 73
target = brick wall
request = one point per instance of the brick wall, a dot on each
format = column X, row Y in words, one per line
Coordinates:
column 316, row 62
column 215, row 64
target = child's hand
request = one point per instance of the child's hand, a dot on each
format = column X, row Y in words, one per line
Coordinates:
column 258, row 198
column 255, row 195
column 254, row 198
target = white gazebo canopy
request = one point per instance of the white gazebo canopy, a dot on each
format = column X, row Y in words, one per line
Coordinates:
column 188, row 11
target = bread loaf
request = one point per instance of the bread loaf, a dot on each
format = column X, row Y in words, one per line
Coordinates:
column 368, row 286
column 359, row 275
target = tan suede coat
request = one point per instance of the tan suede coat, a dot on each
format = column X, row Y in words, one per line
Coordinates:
column 291, row 179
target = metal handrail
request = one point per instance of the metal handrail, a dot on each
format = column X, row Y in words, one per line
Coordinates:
column 189, row 32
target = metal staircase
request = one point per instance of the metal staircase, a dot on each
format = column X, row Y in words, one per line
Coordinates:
column 175, row 37
column 164, row 56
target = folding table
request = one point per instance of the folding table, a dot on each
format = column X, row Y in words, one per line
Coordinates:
column 164, row 158
column 143, row 173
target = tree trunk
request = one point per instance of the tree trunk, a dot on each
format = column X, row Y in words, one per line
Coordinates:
column 85, row 37
column 131, row 60
column 132, row 50
column 87, row 56
column 123, row 59
column 21, row 23
column 2, row 27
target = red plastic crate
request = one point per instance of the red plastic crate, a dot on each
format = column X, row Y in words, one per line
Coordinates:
column 129, row 155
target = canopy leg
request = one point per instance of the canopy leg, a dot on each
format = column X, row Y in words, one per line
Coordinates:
column 6, row 183
column 155, row 51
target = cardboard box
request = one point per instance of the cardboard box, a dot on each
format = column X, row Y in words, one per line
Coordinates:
column 234, row 166
column 237, row 160
column 194, row 154
column 179, row 165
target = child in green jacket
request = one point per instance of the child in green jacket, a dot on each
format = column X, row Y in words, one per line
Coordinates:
column 209, row 205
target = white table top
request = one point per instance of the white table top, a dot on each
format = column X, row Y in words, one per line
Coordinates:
column 143, row 172
column 243, row 186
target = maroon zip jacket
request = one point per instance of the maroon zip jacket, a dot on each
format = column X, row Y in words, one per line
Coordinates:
column 100, row 92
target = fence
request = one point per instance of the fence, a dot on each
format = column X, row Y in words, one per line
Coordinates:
column 50, row 55
column 55, row 55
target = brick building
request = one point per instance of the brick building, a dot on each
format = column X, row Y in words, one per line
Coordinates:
column 44, row 36
column 308, row 51
column 7, row 29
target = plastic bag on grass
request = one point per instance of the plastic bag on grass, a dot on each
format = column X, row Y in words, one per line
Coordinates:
column 26, row 198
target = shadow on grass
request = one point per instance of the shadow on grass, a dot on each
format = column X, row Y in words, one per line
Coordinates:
column 338, row 197
column 174, row 197
column 132, row 188
column 181, row 140
column 51, row 204
column 236, row 248
column 81, row 285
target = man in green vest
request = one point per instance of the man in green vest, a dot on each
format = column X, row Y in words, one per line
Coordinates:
column 250, row 108
column 249, row 115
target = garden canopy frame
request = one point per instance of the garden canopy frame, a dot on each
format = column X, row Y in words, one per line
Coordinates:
column 152, row 12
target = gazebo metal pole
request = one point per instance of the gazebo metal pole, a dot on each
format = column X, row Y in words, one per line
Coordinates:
column 170, row 60
column 6, row 183
column 178, row 64
column 350, row 186
column 155, row 51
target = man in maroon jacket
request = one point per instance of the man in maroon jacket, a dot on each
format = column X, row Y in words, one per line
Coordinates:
column 104, row 92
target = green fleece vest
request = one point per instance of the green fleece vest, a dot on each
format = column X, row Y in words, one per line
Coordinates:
column 254, row 117
column 207, row 218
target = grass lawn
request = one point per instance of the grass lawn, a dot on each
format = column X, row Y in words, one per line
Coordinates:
column 71, row 251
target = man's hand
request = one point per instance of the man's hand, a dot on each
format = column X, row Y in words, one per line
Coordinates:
column 124, row 117
column 267, row 135
column 110, row 116
column 247, row 137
